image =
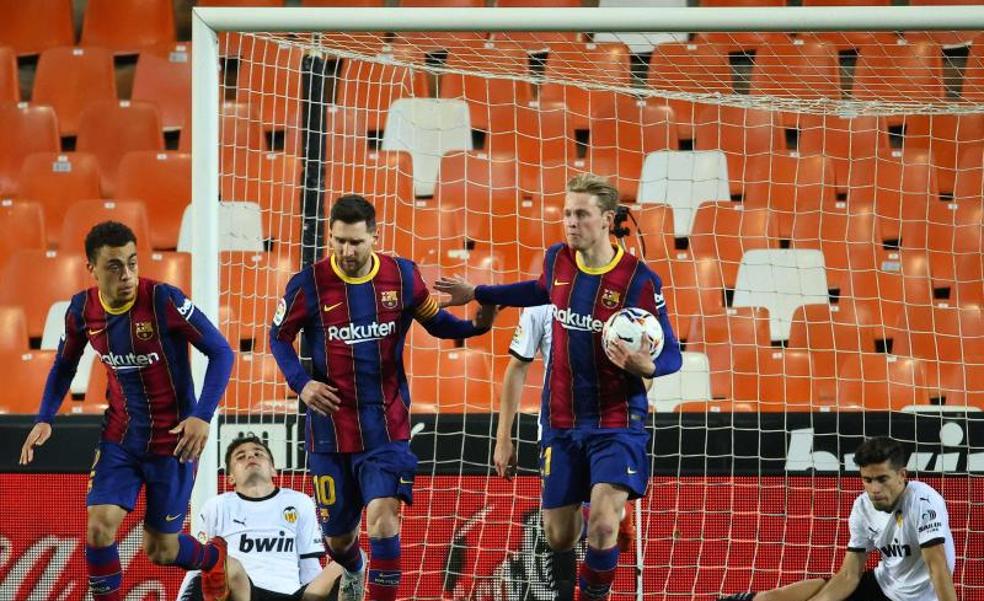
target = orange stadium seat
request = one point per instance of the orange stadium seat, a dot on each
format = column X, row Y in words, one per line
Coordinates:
column 13, row 329
column 43, row 277
column 489, row 99
column 539, row 137
column 162, row 180
column 622, row 134
column 256, row 385
column 535, row 42
column 373, row 87
column 691, row 287
column 714, row 406
column 70, row 79
column 56, row 181
column 343, row 3
column 746, row 42
column 252, row 284
column 651, row 229
column 880, row 382
column 22, row 224
column 32, row 27
column 724, row 231
column 693, row 68
column 9, row 85
column 900, row 188
column 478, row 197
column 26, row 129
column 607, row 63
column 163, row 76
column 742, row 134
column 109, row 130
column 944, row 137
column 902, row 279
column 852, row 144
column 84, row 214
column 794, row 380
column 437, row 44
column 240, row 135
column 878, row 73
column 25, row 375
column 443, row 3
column 845, row 326
column 789, row 186
column 538, row 3
column 170, row 267
column 973, row 76
column 806, row 69
column 726, row 335
column 128, row 26
column 254, row 3
column 269, row 81
column 456, row 380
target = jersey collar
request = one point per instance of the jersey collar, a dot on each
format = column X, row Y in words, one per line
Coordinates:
column 360, row 280
column 276, row 490
column 117, row 310
column 619, row 251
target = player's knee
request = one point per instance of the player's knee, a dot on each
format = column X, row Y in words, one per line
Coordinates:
column 559, row 537
column 159, row 551
column 602, row 529
column 100, row 532
column 384, row 525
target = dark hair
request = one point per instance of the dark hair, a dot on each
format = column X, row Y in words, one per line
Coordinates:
column 253, row 438
column 880, row 449
column 352, row 209
column 107, row 233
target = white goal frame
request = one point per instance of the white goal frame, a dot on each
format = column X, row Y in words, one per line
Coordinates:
column 208, row 22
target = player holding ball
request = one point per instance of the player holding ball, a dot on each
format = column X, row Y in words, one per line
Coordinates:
column 594, row 442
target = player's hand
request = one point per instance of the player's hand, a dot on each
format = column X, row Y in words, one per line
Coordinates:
column 458, row 288
column 638, row 363
column 38, row 435
column 504, row 458
column 485, row 316
column 192, row 435
column 320, row 397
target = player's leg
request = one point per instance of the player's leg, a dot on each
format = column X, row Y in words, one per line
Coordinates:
column 385, row 476
column 340, row 503
column 168, row 484
column 114, row 484
column 324, row 587
column 564, row 477
column 619, row 472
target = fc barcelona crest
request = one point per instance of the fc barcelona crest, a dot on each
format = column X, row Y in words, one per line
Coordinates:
column 390, row 298
column 144, row 330
column 610, row 298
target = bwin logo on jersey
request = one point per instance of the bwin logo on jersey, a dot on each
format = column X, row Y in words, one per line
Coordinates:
column 129, row 361
column 354, row 334
column 267, row 544
column 896, row 550
column 576, row 321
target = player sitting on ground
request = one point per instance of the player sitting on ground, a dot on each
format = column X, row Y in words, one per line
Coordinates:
column 594, row 445
column 154, row 429
column 275, row 545
column 905, row 521
column 355, row 309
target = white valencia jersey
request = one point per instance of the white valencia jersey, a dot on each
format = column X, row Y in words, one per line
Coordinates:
column 533, row 333
column 919, row 519
column 269, row 536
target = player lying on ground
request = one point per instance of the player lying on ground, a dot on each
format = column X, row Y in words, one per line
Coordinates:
column 594, row 445
column 905, row 521
column 355, row 309
column 154, row 429
column 272, row 533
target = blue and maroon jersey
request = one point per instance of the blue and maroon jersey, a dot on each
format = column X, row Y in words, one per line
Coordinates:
column 582, row 387
column 144, row 347
column 355, row 329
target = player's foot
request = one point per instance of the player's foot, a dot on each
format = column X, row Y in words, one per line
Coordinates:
column 215, row 581
column 353, row 584
column 738, row 597
column 626, row 528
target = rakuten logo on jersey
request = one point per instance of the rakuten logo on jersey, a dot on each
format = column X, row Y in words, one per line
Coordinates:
column 354, row 334
column 129, row 361
column 577, row 321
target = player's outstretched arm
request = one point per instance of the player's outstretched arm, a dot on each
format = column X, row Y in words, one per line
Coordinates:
column 939, row 572
column 520, row 294
column 504, row 455
column 845, row 580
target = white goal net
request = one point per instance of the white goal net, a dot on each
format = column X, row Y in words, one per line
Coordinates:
column 812, row 201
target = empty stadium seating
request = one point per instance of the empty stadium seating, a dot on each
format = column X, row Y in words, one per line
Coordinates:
column 69, row 79
column 26, row 129
column 109, row 130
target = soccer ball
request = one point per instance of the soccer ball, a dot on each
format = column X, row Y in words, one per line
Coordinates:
column 629, row 325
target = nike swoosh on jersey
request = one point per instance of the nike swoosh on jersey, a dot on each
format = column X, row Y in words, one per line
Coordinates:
column 630, row 471
column 171, row 518
column 559, row 283
column 328, row 308
column 95, row 332
column 405, row 481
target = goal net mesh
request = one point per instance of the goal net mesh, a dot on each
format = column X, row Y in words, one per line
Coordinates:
column 811, row 201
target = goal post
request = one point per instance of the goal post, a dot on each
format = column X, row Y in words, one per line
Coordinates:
column 749, row 489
